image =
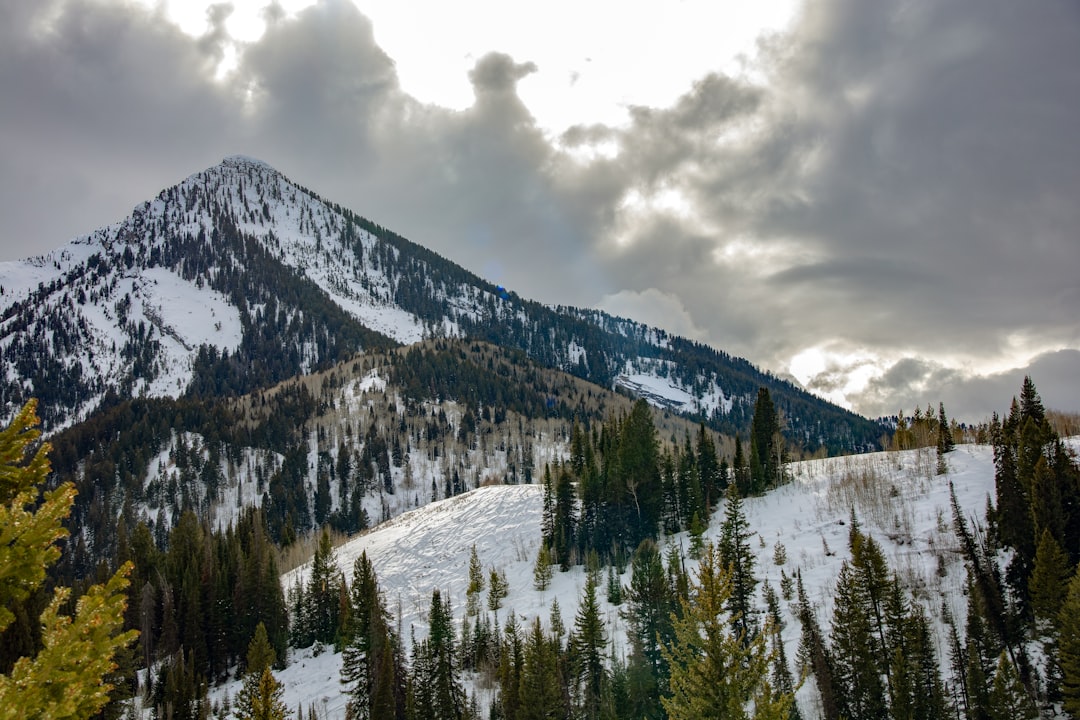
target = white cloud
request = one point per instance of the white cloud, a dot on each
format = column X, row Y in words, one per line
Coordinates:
column 653, row 307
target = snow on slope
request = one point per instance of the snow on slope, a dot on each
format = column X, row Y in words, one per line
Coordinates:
column 896, row 496
column 654, row 381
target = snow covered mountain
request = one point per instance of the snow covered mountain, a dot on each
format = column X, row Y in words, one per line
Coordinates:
column 238, row 278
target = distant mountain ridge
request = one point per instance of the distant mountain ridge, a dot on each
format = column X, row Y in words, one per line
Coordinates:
column 238, row 278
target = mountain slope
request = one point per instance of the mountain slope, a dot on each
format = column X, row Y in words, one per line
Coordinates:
column 238, row 278
column 909, row 515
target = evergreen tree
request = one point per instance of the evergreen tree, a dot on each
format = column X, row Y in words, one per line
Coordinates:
column 260, row 696
column 945, row 443
column 540, row 693
column 1049, row 583
column 565, row 521
column 322, row 592
column 782, row 682
column 741, row 469
column 369, row 669
column 713, row 483
column 511, row 665
column 813, row 654
column 649, row 605
column 714, row 672
column 587, row 647
column 1008, row 698
column 1069, row 648
column 436, row 682
column 260, row 652
column 856, row 650
column 65, row 678
column 498, row 589
column 542, row 570
column 738, row 561
column 476, row 584
column 766, row 444
column 637, row 494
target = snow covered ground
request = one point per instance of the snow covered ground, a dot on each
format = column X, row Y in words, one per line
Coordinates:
column 896, row 496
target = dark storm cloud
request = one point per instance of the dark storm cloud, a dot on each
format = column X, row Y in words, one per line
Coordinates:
column 903, row 183
column 101, row 106
column 907, row 180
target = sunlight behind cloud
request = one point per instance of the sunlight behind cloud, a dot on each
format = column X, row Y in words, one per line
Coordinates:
column 595, row 59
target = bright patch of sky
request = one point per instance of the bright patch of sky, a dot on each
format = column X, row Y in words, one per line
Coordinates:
column 594, row 59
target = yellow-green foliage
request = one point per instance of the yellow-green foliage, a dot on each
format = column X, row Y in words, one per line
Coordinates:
column 64, row 680
column 715, row 671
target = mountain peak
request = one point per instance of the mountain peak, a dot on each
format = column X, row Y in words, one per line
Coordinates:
column 241, row 160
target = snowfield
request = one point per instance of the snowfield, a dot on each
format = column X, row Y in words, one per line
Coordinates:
column 895, row 495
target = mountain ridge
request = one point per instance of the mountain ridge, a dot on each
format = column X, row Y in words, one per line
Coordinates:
column 237, row 277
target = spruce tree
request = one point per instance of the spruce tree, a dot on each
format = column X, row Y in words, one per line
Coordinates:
column 322, row 592
column 782, row 682
column 437, row 670
column 1049, row 583
column 498, row 589
column 368, row 662
column 766, row 443
column 856, row 650
column 540, row 694
column 649, row 604
column 260, row 696
column 511, row 666
column 587, row 643
column 542, row 570
column 1009, row 700
column 714, row 672
column 1069, row 648
column 813, row 656
column 476, row 584
column 738, row 560
column 64, row 679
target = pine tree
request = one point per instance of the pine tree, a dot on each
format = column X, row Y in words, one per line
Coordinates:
column 741, row 469
column 637, row 487
column 260, row 696
column 1049, row 583
column 476, row 584
column 322, row 592
column 766, row 443
column 498, row 589
column 649, row 604
column 369, row 669
column 540, row 693
column 714, row 672
column 437, row 666
column 713, row 483
column 511, row 665
column 1069, row 648
column 782, row 682
column 587, row 646
column 856, row 650
column 1008, row 698
column 542, row 570
column 738, row 560
column 260, row 653
column 65, row 678
column 564, row 526
column 814, row 656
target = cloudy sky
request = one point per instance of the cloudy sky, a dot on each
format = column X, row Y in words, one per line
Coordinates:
column 881, row 199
